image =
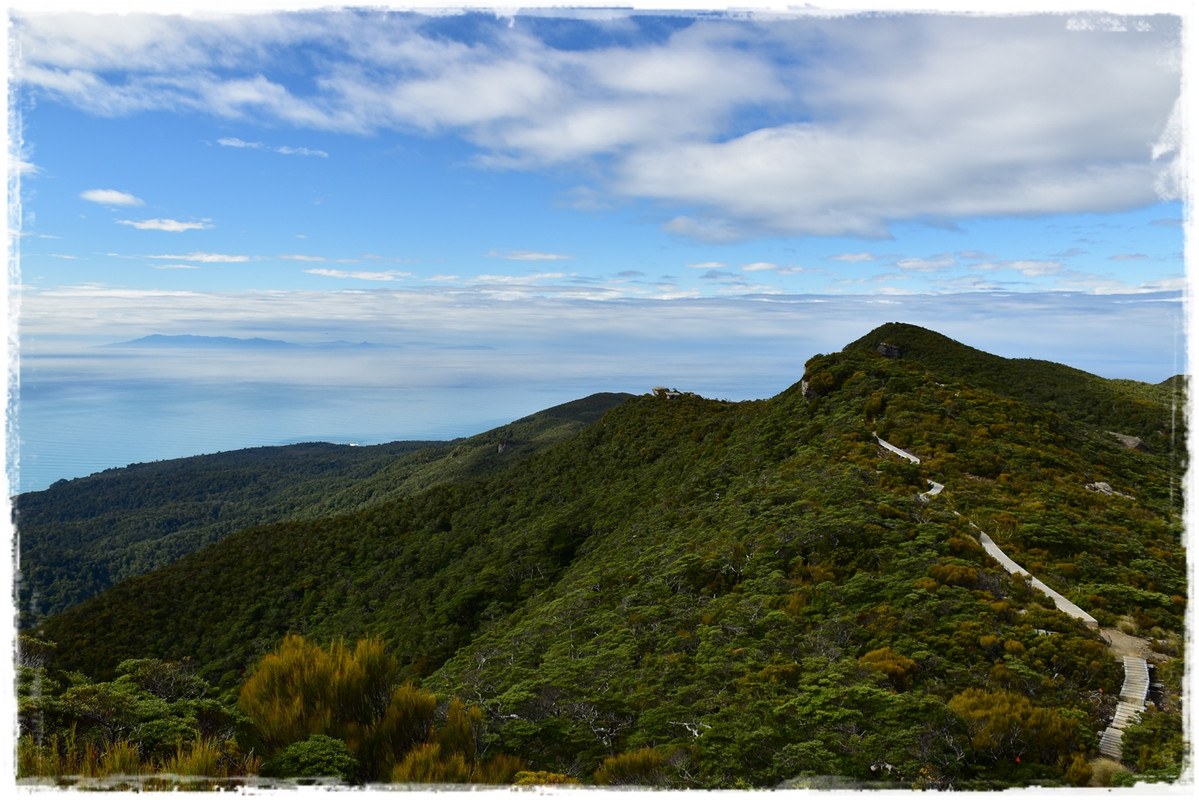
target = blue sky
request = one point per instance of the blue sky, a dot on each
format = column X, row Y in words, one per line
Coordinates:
column 519, row 209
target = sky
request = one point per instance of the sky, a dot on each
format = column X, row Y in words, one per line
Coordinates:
column 461, row 216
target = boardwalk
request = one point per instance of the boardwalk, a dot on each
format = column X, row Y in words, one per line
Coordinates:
column 1136, row 669
column 1128, row 710
column 993, row 550
column 1063, row 605
column 897, row 451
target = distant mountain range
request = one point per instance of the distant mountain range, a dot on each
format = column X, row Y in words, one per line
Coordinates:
column 709, row 594
column 159, row 340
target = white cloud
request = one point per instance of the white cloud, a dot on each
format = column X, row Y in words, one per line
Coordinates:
column 1106, row 285
column 1031, row 268
column 170, row 225
column 707, row 265
column 389, row 275
column 1084, row 330
column 709, row 229
column 205, row 258
column 528, row 255
column 800, row 125
column 318, row 259
column 934, row 264
column 973, row 127
column 759, row 266
column 971, row 283
column 852, row 258
column 111, row 197
column 517, row 279
column 300, row 151
column 233, row 141
column 286, row 150
column 175, row 266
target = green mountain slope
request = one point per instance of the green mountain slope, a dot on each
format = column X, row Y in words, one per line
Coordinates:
column 756, row 590
column 79, row 537
column 1148, row 411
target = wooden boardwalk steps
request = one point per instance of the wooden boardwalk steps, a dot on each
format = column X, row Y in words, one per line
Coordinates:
column 1128, row 710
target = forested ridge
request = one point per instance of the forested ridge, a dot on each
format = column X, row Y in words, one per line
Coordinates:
column 79, row 537
column 700, row 593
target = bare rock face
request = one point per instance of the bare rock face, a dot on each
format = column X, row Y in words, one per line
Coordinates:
column 1131, row 442
column 1103, row 487
column 888, row 350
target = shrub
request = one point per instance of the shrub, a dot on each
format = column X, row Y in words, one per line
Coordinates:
column 644, row 767
column 501, row 768
column 1079, row 772
column 318, row 756
column 542, row 778
column 302, row 689
column 898, row 668
column 427, row 764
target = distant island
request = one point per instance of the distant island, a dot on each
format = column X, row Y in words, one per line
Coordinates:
column 191, row 341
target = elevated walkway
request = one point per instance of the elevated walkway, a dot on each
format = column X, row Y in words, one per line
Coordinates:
column 1129, row 708
column 1063, row 605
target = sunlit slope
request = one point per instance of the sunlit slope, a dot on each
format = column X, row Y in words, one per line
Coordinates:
column 755, row 583
column 1152, row 412
column 79, row 537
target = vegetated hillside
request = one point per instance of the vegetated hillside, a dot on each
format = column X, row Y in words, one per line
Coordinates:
column 1151, row 412
column 79, row 537
column 755, row 590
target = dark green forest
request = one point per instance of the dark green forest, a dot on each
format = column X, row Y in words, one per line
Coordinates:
column 79, row 537
column 675, row 591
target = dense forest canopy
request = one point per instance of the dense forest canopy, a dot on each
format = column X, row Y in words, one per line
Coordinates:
column 80, row 537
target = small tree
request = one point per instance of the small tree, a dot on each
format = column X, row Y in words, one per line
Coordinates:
column 427, row 763
column 898, row 668
column 302, row 689
column 645, row 767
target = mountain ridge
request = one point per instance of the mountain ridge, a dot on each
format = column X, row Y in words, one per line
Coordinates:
column 757, row 591
column 83, row 535
column 1072, row 391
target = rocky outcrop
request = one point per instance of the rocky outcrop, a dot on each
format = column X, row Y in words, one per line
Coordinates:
column 888, row 350
column 1131, row 442
column 1106, row 488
